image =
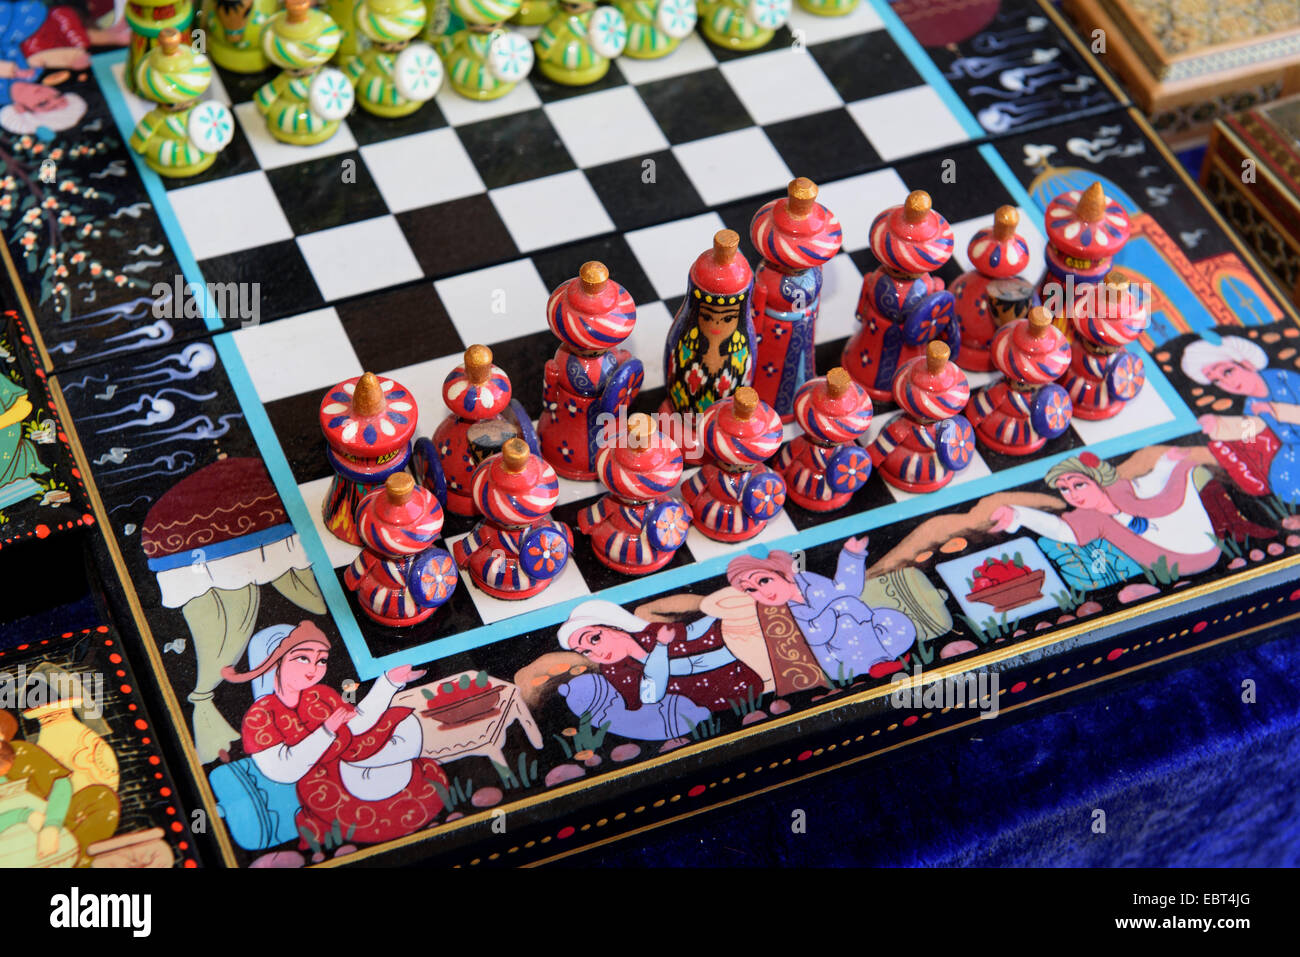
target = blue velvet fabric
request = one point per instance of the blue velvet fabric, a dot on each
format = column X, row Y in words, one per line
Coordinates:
column 1187, row 774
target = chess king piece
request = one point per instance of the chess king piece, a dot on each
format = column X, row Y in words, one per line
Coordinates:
column 829, row 8
column 656, row 28
column 710, row 348
column 589, row 377
column 180, row 136
column 638, row 526
column 795, row 236
column 576, row 45
column 922, row 449
column 483, row 416
column 484, row 59
column 902, row 306
column 1103, row 375
column 517, row 549
column 742, row 24
column 393, row 76
column 235, row 33
column 147, row 20
column 1085, row 231
column 733, row 497
column 399, row 577
column 991, row 294
column 304, row 104
column 1018, row 414
column 368, row 423
column 825, row 466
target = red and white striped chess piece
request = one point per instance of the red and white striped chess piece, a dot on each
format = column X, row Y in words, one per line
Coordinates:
column 825, row 466
column 991, row 294
column 1103, row 375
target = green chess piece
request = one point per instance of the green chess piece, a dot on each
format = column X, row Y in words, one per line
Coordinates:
column 656, row 28
column 576, row 45
column 829, row 8
column 742, row 24
column 344, row 14
column 235, row 33
column 533, row 13
column 393, row 76
column 485, row 60
column 304, row 104
column 147, row 19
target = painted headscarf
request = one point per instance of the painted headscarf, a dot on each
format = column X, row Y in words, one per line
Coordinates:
column 599, row 613
column 1202, row 353
column 306, row 633
column 1103, row 473
column 779, row 563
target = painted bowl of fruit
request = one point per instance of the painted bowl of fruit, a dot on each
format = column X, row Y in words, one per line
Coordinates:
column 1006, row 583
column 462, row 700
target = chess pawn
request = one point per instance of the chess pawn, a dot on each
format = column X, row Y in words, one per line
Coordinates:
column 656, row 28
column 795, row 236
column 923, row 448
column 590, row 378
column 742, row 24
column 638, row 526
column 517, row 549
column 181, row 136
column 235, row 33
column 576, row 45
column 393, row 76
column 733, row 497
column 902, row 306
column 1103, row 375
column 997, row 253
column 1085, row 231
column 304, row 104
column 368, row 422
column 533, row 13
column 147, row 20
column 484, row 59
column 399, row 577
column 829, row 8
column 483, row 416
column 1018, row 414
column 710, row 348
column 825, row 466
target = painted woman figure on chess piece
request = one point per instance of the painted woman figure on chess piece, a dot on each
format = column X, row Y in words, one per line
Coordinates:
column 517, row 549
column 795, row 236
column 638, row 526
column 235, row 33
column 590, row 378
column 742, row 24
column 903, row 306
column 922, row 449
column 733, row 497
column 393, row 76
column 825, row 466
column 576, row 45
column 399, row 577
column 1103, row 375
column 305, row 103
column 1085, row 231
column 181, row 136
column 1019, row 413
column 656, row 28
column 992, row 293
column 485, row 59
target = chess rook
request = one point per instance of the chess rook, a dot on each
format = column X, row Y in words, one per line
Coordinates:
column 825, row 466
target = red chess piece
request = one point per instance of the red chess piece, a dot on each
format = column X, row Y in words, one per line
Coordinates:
column 399, row 577
column 902, row 306
column 734, row 499
column 368, row 422
column 517, row 549
column 589, row 377
column 1085, row 231
column 825, row 466
column 1018, row 414
column 991, row 294
column 1103, row 376
column 638, row 526
column 923, row 448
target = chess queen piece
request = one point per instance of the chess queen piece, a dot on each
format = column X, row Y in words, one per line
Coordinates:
column 483, row 416
column 742, row 24
column 517, row 549
column 393, row 76
column 998, row 255
column 484, row 59
column 902, row 306
column 710, row 349
column 180, row 136
column 1018, row 414
column 590, row 378
column 825, row 466
column 399, row 577
column 1085, row 231
column 576, row 45
column 235, row 33
column 922, row 449
column 733, row 497
column 655, row 28
column 1103, row 375
column 637, row 526
column 305, row 103
column 147, row 20
column 795, row 236
column 368, row 422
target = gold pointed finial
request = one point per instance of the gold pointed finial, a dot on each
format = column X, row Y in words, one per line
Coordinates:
column 837, row 382
column 1039, row 321
column 169, row 39
column 1005, row 221
column 1092, row 204
column 725, row 244
column 593, row 276
column 936, row 356
column 917, row 207
column 640, row 430
column 800, row 196
column 478, row 364
column 514, row 455
column 745, row 402
column 1117, row 279
column 399, row 487
column 296, row 10
column 368, row 396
